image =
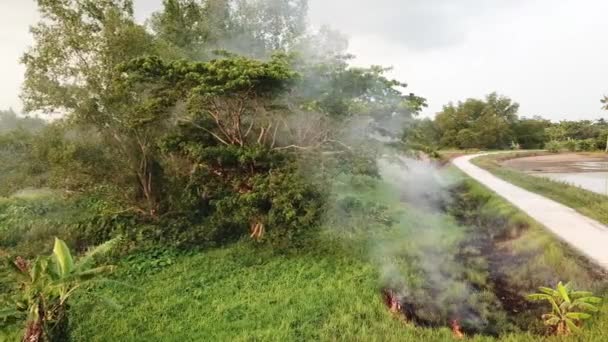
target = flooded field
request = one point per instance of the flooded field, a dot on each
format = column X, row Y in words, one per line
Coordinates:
column 586, row 170
column 592, row 181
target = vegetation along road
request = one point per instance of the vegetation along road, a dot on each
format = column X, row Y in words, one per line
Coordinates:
column 588, row 236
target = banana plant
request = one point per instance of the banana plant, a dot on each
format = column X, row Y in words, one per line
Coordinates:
column 569, row 308
column 45, row 286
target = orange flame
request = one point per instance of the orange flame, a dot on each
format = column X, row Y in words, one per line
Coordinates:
column 392, row 301
column 456, row 330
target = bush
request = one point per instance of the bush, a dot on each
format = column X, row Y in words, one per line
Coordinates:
column 570, row 145
column 587, row 145
column 553, row 146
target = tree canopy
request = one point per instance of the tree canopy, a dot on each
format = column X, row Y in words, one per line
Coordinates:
column 478, row 123
column 207, row 124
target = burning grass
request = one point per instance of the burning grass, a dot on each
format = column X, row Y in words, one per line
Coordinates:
column 472, row 275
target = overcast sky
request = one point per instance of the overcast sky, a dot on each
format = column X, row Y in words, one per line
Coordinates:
column 551, row 56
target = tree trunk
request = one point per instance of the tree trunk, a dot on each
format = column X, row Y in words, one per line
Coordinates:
column 147, row 189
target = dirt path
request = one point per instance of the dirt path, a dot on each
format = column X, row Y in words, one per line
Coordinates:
column 582, row 233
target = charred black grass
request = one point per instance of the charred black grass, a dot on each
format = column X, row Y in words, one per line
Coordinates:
column 502, row 255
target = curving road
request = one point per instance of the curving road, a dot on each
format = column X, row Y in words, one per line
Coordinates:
column 588, row 236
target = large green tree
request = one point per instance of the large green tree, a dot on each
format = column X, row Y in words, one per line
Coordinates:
column 478, row 123
column 72, row 71
column 531, row 133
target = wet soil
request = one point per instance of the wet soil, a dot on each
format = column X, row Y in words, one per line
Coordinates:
column 559, row 163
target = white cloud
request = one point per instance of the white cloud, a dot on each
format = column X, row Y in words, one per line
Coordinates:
column 548, row 55
column 15, row 18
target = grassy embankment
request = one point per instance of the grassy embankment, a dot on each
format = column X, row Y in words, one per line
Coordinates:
column 586, row 202
column 330, row 290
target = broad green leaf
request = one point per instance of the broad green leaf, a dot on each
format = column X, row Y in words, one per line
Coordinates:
column 563, row 291
column 538, row 297
column 39, row 267
column 88, row 274
column 592, row 300
column 585, row 306
column 63, row 257
column 579, row 294
column 104, row 248
column 578, row 315
column 573, row 326
column 549, row 291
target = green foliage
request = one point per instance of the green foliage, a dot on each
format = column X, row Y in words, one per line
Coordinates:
column 493, row 124
column 45, row 286
column 149, row 261
column 531, row 133
column 422, row 134
column 554, row 146
column 572, row 145
column 568, row 307
column 478, row 123
column 256, row 29
column 27, row 225
column 576, row 136
column 243, row 187
column 10, row 121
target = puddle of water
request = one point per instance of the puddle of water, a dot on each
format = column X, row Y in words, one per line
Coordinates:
column 592, row 181
column 592, row 166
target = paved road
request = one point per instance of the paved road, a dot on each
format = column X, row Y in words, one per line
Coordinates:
column 584, row 234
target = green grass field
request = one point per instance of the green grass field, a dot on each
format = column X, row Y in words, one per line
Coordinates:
column 241, row 293
column 586, row 202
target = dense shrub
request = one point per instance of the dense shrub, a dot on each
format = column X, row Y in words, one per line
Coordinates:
column 586, row 145
column 553, row 146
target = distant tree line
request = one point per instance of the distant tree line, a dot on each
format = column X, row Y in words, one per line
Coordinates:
column 494, row 123
column 10, row 121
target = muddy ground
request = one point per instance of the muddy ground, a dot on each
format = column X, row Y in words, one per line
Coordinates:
column 562, row 163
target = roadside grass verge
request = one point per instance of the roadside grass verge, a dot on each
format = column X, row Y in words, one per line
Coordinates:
column 526, row 256
column 586, row 202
